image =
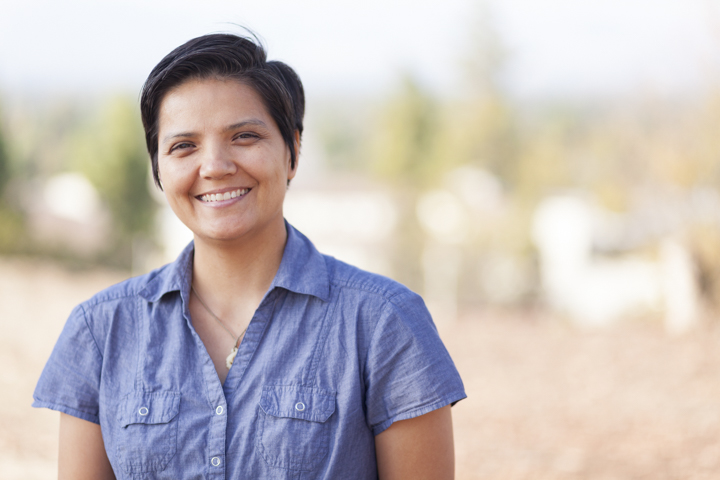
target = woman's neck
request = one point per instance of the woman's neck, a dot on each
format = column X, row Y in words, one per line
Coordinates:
column 234, row 276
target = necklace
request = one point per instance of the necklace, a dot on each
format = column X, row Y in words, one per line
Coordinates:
column 230, row 358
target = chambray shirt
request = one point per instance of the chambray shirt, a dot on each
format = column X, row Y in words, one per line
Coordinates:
column 332, row 357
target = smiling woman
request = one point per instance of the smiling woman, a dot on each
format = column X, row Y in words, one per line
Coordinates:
column 252, row 355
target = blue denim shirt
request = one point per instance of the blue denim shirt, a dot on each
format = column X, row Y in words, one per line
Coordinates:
column 332, row 357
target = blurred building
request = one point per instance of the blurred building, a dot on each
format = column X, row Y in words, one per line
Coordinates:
column 594, row 270
column 65, row 214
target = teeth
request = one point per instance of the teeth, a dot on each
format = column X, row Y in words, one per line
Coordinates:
column 216, row 197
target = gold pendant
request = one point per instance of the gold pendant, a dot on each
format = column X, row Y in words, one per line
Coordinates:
column 230, row 358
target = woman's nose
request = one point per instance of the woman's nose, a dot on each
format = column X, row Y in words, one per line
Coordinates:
column 217, row 163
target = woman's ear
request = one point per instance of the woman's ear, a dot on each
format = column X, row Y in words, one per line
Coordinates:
column 296, row 144
column 293, row 168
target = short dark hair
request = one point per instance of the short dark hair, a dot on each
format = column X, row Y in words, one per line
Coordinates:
column 225, row 56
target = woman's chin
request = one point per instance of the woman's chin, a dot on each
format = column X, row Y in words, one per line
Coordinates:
column 234, row 234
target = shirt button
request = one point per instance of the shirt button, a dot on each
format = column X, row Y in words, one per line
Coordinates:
column 219, row 410
column 143, row 411
column 215, row 461
column 299, row 406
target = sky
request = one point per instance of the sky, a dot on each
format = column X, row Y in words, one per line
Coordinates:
column 554, row 47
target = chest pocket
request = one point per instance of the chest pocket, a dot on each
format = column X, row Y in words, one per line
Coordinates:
column 148, row 434
column 293, row 429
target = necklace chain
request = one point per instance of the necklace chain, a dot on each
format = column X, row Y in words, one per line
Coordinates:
column 202, row 302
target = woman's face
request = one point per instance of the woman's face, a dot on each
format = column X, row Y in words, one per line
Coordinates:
column 223, row 164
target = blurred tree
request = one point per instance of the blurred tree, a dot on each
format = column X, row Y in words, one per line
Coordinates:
column 404, row 148
column 111, row 153
column 419, row 137
column 11, row 221
column 402, row 153
column 486, row 57
column 482, row 125
column 4, row 157
column 341, row 124
column 542, row 162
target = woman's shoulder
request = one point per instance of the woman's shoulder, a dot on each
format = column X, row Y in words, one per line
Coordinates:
column 138, row 286
column 362, row 282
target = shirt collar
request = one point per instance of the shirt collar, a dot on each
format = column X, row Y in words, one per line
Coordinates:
column 302, row 270
column 172, row 277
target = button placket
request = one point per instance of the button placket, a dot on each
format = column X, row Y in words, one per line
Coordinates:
column 217, row 430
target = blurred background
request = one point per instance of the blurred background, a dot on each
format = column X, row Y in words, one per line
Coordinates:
column 546, row 173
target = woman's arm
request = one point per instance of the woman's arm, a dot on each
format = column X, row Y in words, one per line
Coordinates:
column 419, row 448
column 82, row 451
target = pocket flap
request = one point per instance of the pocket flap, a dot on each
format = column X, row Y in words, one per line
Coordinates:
column 148, row 408
column 293, row 401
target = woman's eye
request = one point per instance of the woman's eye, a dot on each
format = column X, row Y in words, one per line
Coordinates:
column 180, row 146
column 246, row 136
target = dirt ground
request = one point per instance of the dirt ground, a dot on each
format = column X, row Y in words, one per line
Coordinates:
column 545, row 401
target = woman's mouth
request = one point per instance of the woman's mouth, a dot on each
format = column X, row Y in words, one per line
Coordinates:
column 217, row 197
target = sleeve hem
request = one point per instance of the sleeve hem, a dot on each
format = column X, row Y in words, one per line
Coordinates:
column 451, row 399
column 66, row 409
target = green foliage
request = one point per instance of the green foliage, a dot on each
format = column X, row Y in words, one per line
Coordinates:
column 13, row 237
column 111, row 153
column 404, row 148
column 12, row 226
column 418, row 138
column 4, row 159
column 342, row 126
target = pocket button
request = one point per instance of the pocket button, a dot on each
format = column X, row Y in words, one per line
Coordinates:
column 300, row 406
column 143, row 411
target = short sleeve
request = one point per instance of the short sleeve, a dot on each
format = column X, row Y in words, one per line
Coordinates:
column 408, row 370
column 70, row 381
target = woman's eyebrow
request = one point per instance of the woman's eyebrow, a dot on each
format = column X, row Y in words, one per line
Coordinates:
column 177, row 135
column 254, row 122
column 234, row 126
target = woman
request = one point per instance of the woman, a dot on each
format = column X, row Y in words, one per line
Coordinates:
column 252, row 355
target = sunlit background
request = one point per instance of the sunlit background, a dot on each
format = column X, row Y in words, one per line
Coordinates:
column 546, row 173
